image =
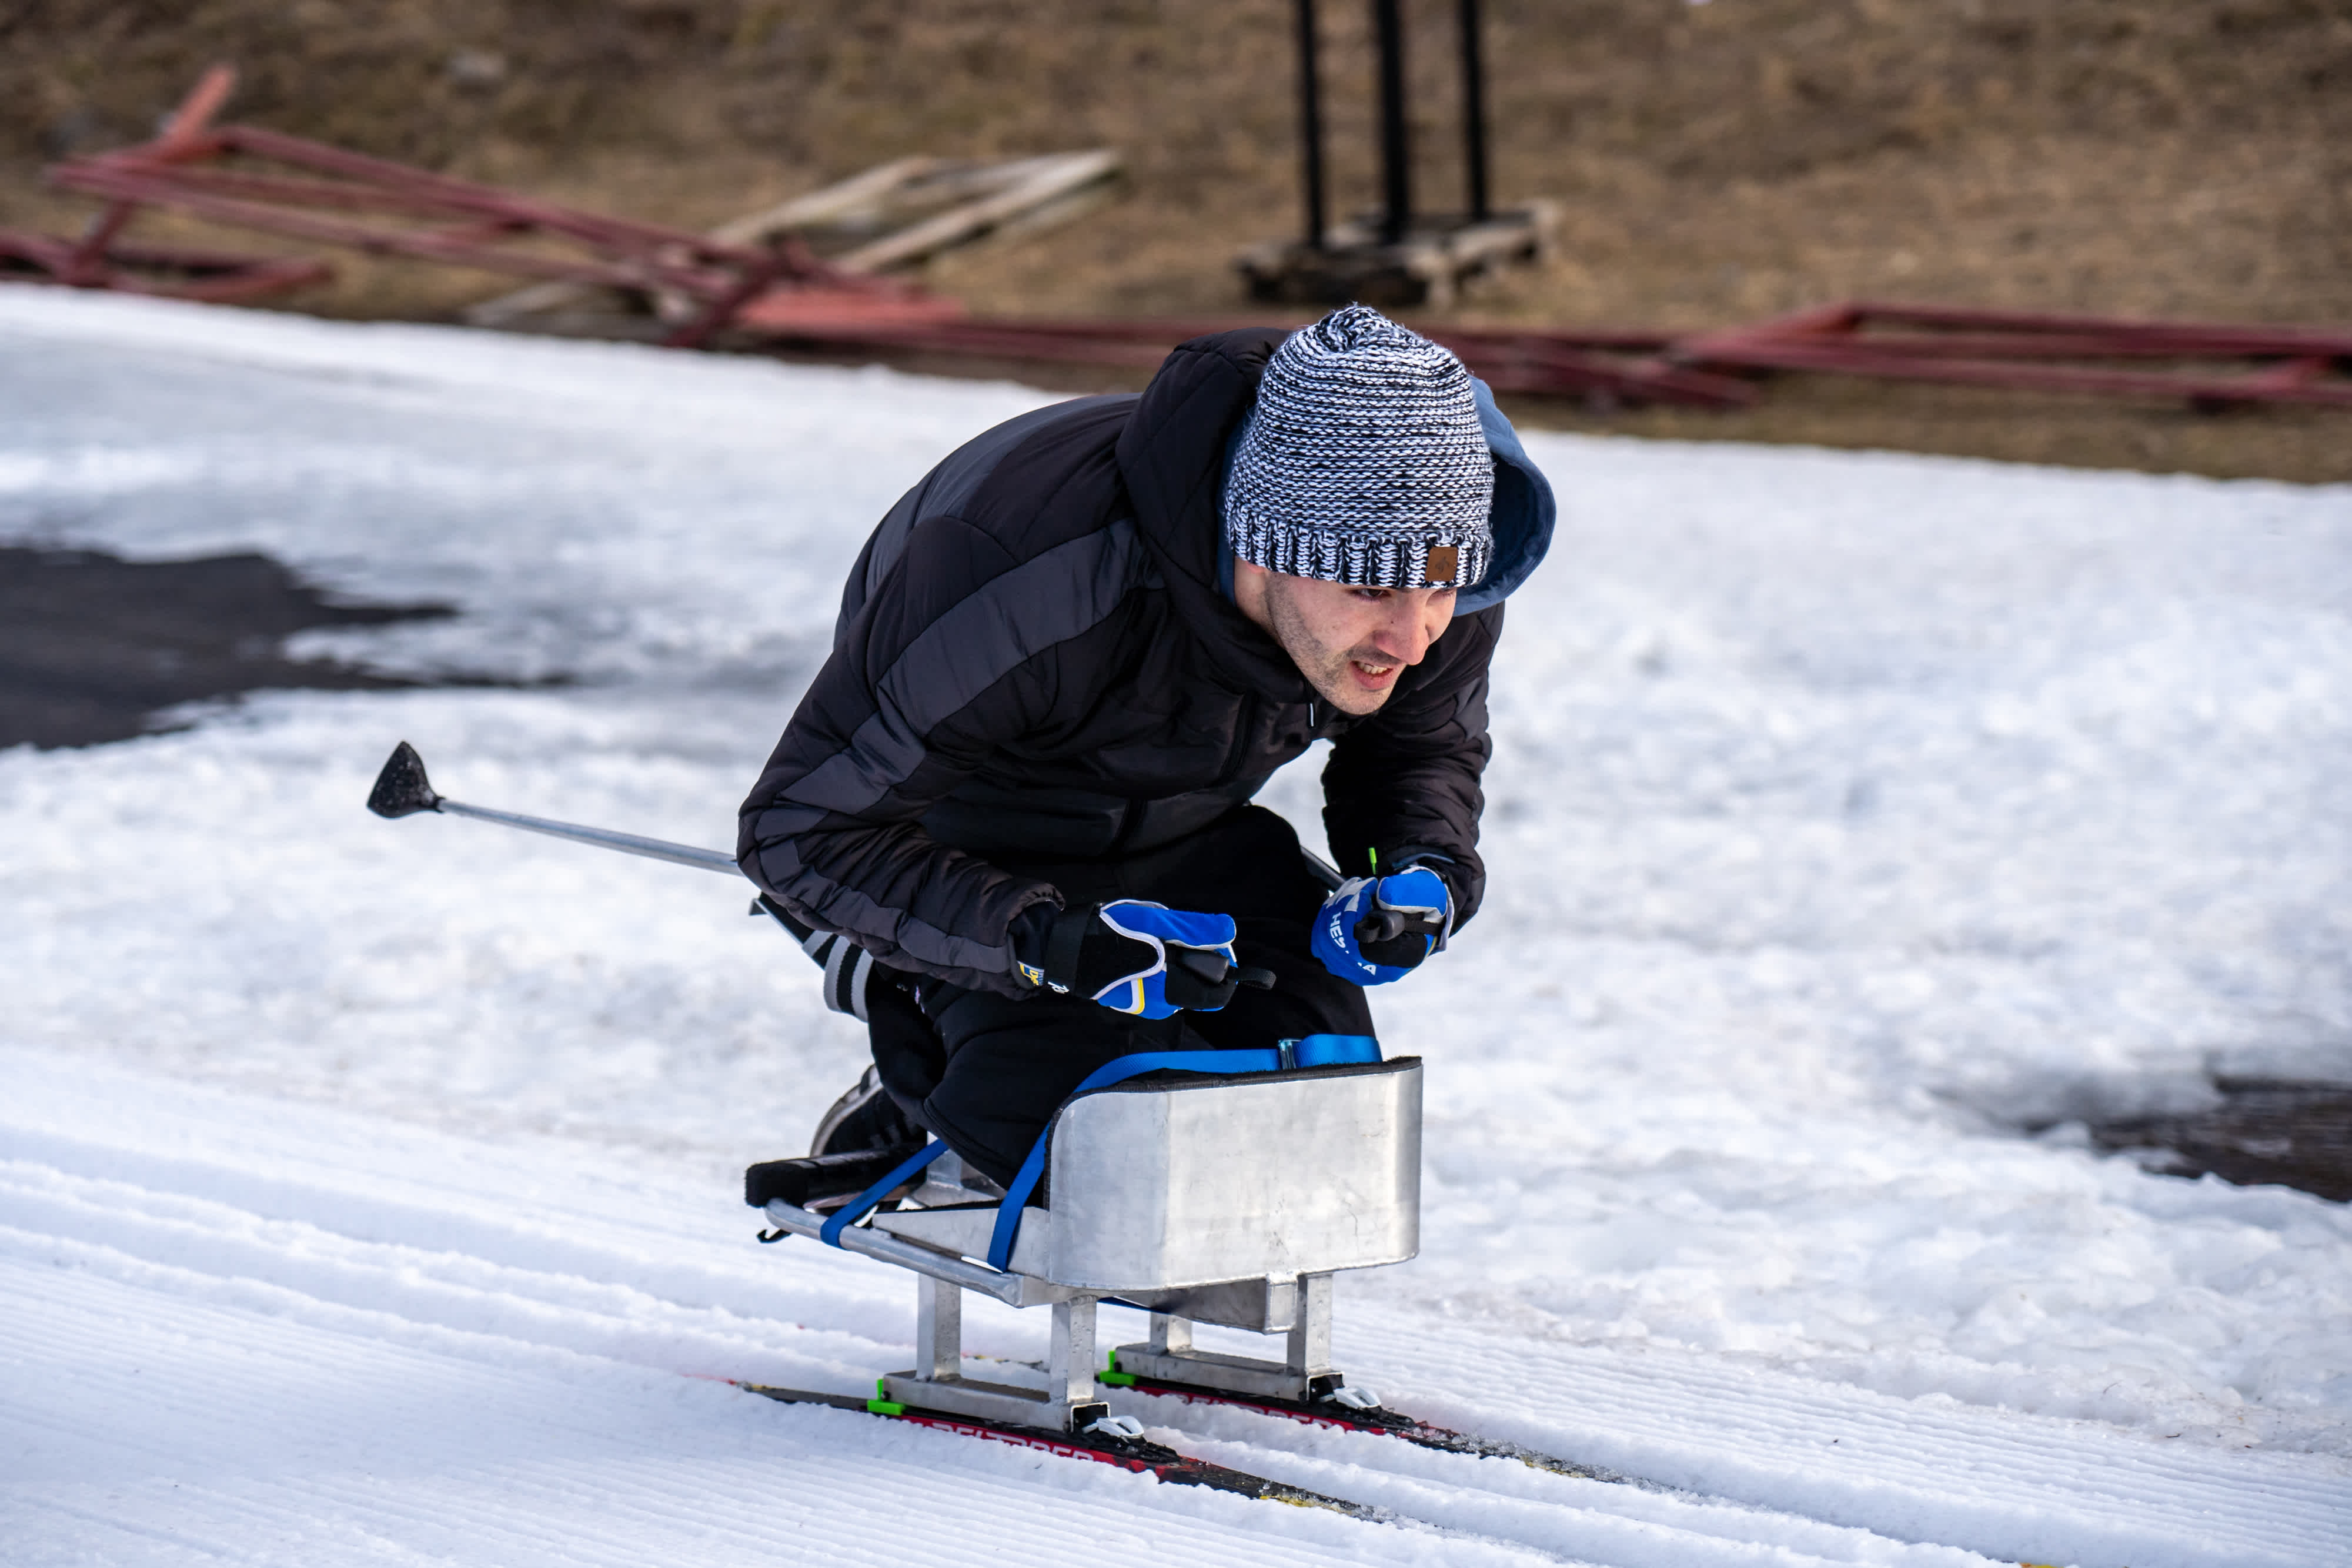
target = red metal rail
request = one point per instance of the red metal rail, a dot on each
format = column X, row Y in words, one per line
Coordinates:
column 212, row 276
column 2012, row 351
column 781, row 294
column 99, row 260
column 1553, row 364
column 436, row 218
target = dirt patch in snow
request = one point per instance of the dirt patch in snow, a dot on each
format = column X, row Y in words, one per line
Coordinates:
column 93, row 647
column 2266, row 1130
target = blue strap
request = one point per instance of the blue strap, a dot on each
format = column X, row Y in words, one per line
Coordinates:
column 1315, row 1051
column 858, row 1207
column 1328, row 1051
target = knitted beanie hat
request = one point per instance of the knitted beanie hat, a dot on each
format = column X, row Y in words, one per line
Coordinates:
column 1363, row 461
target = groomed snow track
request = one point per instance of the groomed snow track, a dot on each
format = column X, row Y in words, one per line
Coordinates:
column 329, row 1338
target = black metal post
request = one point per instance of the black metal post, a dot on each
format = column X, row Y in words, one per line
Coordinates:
column 1473, row 111
column 1310, row 127
column 1396, row 151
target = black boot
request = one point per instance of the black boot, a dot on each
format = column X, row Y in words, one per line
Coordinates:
column 859, row 1140
column 865, row 1118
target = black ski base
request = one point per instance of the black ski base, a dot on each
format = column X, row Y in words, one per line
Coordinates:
column 1132, row 1454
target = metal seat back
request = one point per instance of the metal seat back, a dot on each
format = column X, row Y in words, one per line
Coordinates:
column 1171, row 1182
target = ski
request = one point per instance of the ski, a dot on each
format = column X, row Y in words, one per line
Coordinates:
column 1376, row 1419
column 1133, row 1454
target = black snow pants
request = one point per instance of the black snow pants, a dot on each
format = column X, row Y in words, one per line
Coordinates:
column 985, row 1072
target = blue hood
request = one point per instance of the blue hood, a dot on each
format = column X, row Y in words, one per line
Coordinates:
column 1522, row 517
column 1524, row 510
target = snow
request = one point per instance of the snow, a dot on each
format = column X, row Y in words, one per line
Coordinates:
column 1859, row 825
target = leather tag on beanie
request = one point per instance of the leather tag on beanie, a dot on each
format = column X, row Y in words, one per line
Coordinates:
column 1443, row 561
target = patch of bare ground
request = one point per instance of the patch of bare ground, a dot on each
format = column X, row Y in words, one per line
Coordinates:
column 2259, row 1130
column 1716, row 162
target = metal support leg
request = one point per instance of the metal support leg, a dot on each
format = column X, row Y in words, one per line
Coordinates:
column 939, row 1329
column 1171, row 1335
column 1310, row 1331
column 1304, row 1374
column 1070, row 1362
column 936, row 1382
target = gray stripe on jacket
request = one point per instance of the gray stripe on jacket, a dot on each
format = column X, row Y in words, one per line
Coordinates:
column 1016, row 615
column 1060, row 594
column 943, row 491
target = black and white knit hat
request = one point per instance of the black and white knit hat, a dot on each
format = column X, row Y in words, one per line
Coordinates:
column 1363, row 461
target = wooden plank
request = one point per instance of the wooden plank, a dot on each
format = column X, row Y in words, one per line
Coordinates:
column 1059, row 177
column 1010, row 196
column 844, row 198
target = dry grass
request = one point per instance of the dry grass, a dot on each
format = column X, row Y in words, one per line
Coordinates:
column 2187, row 158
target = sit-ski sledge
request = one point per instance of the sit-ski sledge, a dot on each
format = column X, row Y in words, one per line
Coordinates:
column 1224, row 1187
column 1228, row 1199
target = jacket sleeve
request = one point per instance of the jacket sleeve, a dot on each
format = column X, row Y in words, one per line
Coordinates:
column 948, row 658
column 1407, row 779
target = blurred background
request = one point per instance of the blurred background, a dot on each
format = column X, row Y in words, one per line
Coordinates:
column 1714, row 162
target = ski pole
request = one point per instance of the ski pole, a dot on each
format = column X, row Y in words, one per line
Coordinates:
column 402, row 789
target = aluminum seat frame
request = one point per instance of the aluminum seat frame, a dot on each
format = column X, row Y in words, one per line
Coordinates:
column 1302, row 1174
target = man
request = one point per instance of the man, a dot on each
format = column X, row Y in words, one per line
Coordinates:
column 1064, row 662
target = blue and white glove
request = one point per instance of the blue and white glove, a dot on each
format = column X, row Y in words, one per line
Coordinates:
column 1135, row 956
column 1373, row 931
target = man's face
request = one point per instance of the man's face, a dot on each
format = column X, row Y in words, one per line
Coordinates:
column 1351, row 644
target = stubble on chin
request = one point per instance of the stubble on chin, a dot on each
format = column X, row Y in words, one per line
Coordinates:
column 1325, row 668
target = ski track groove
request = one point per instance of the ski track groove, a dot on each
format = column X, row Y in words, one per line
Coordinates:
column 176, row 1539
column 396, row 1375
column 222, row 1386
column 1337, row 1462
column 557, row 1247
column 229, row 1240
column 1559, row 1526
column 1454, row 1520
column 677, row 1496
column 2150, row 1493
column 377, row 1284
column 450, row 1289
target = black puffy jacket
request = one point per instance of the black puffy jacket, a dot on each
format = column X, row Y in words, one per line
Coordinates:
column 1037, row 662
